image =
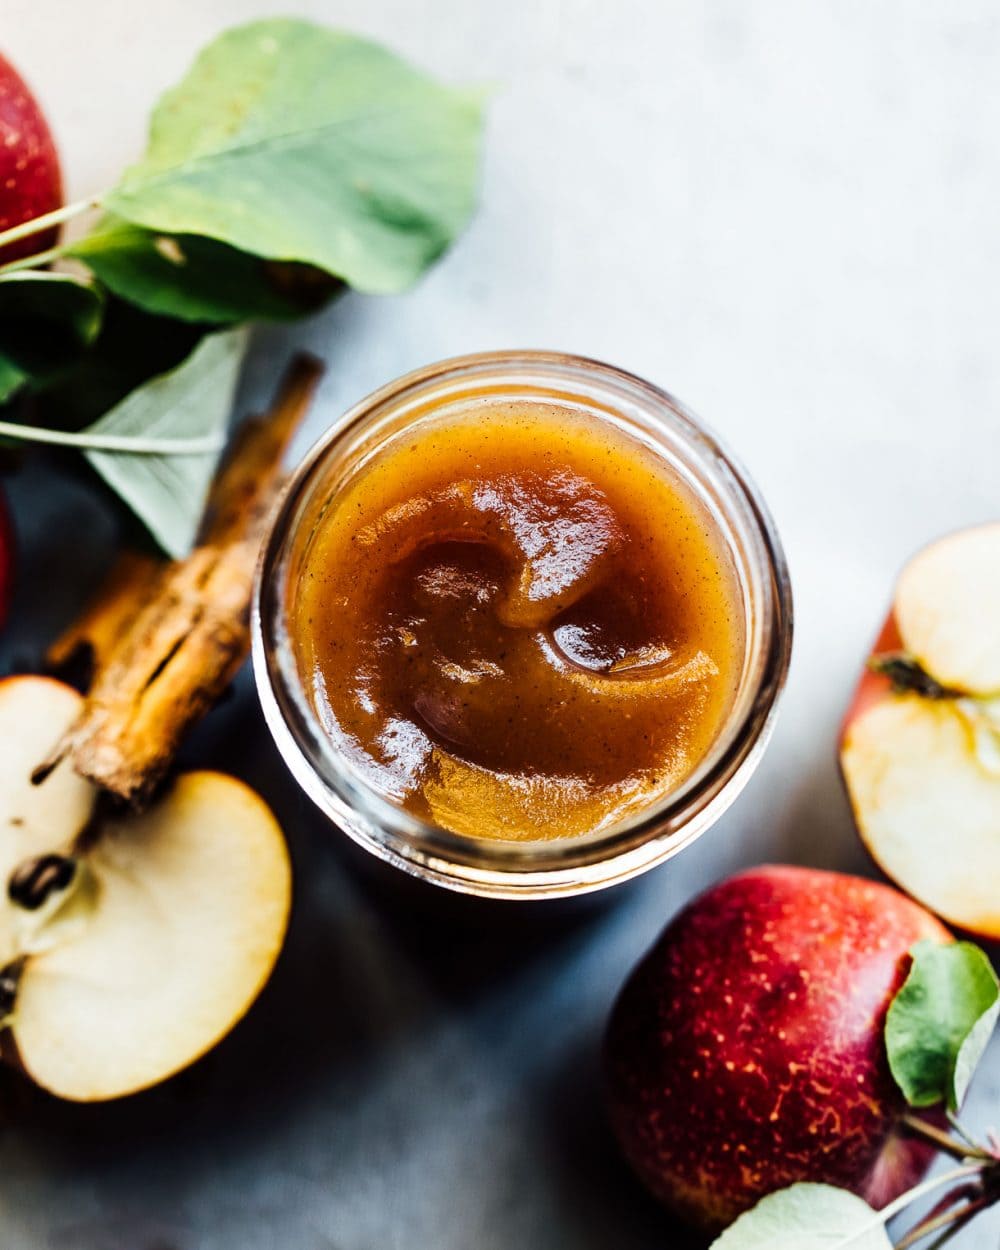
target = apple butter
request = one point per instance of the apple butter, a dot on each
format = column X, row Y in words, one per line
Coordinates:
column 519, row 622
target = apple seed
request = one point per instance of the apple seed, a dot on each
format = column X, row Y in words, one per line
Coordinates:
column 32, row 883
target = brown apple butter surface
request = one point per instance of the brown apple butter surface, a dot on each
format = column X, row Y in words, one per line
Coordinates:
column 519, row 623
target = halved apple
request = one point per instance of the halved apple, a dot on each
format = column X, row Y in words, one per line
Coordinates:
column 920, row 748
column 130, row 945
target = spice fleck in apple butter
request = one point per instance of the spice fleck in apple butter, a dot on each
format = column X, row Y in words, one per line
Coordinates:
column 519, row 623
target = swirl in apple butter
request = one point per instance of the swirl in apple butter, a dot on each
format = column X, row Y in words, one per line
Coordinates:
column 519, row 623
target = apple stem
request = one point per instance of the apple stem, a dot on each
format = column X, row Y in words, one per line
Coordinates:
column 952, row 1220
column 35, row 261
column 966, row 1149
column 927, row 1187
column 129, row 444
column 953, row 1230
column 47, row 220
column 964, row 1133
column 971, row 1189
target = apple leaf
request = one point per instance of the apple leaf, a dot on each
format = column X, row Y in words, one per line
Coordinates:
column 189, row 407
column 940, row 1021
column 807, row 1216
column 132, row 347
column 197, row 279
column 47, row 320
column 296, row 142
column 11, row 379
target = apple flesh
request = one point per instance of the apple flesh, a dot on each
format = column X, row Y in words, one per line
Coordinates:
column 30, row 180
column 746, row 1051
column 946, row 607
column 131, row 945
column 920, row 755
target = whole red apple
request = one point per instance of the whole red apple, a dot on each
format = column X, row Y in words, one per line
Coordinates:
column 30, row 181
column 746, row 1051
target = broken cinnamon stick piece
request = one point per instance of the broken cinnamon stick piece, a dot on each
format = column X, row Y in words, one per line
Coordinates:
column 183, row 647
column 86, row 646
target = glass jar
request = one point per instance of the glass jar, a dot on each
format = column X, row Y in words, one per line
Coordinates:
column 538, row 869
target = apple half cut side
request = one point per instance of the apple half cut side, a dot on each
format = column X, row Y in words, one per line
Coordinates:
column 130, row 945
column 920, row 747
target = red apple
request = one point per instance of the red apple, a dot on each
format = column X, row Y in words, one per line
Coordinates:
column 746, row 1051
column 30, row 181
column 920, row 749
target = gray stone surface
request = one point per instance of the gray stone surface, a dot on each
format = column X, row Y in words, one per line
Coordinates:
column 786, row 214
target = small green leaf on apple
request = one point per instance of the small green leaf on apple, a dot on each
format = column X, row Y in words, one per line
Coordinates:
column 939, row 1023
column 807, row 1216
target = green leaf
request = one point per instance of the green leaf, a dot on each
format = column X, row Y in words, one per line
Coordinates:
column 47, row 320
column 11, row 379
column 807, row 1217
column 296, row 142
column 940, row 1022
column 167, row 492
column 132, row 347
column 197, row 279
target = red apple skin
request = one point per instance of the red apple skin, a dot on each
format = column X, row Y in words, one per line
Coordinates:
column 746, row 1051
column 30, row 180
column 872, row 687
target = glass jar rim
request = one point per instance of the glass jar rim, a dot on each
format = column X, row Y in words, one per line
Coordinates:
column 518, row 868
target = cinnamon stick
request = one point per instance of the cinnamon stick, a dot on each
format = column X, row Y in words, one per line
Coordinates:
column 87, row 645
column 180, row 649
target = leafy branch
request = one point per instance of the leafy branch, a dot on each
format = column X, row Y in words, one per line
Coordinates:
column 291, row 160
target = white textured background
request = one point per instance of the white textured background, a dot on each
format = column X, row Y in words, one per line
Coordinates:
column 789, row 215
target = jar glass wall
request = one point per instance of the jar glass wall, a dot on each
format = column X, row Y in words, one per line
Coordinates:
column 495, row 867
